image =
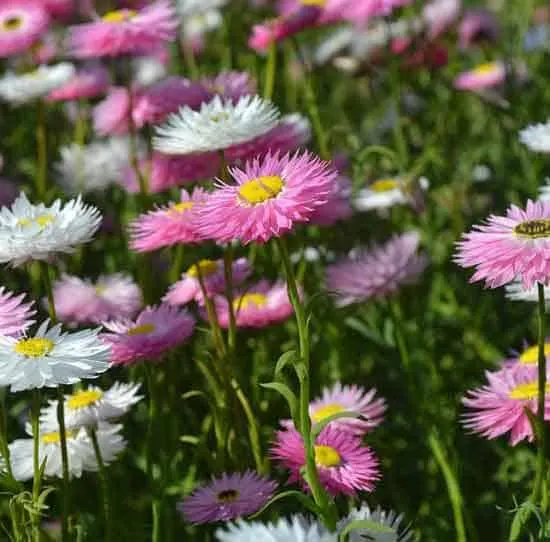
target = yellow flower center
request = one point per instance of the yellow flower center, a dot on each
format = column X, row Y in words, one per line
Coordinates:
column 35, row 347
column 54, row 437
column 12, row 23
column 242, row 302
column 533, row 229
column 218, row 117
column 320, row 3
column 206, row 267
column 41, row 220
column 325, row 411
column 261, row 189
column 100, row 290
column 228, row 495
column 527, row 391
column 180, row 208
column 327, row 456
column 142, row 329
column 530, row 356
column 485, row 69
column 84, row 398
column 119, row 16
column 384, row 185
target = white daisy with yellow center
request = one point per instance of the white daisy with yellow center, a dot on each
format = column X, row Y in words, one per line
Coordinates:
column 381, row 194
column 51, row 358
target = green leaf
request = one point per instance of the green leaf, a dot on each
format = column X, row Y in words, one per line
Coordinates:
column 318, row 427
column 373, row 526
column 191, row 394
column 304, row 500
column 521, row 517
column 285, row 359
column 301, row 370
column 287, row 393
column 190, row 439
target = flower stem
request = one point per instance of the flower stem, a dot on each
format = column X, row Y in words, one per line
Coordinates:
column 104, row 486
column 4, row 448
column 41, row 151
column 175, row 268
column 36, row 481
column 270, row 69
column 65, row 464
column 319, row 494
column 540, row 475
column 228, row 277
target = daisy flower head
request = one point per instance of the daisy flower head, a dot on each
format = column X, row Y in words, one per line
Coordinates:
column 87, row 82
column 148, row 70
column 487, row 75
column 81, row 301
column 111, row 116
column 22, row 23
column 230, row 85
column 51, row 357
column 36, row 232
column 270, row 195
column 377, row 272
column 387, row 527
column 218, row 124
column 80, row 451
column 198, row 17
column 338, row 206
column 15, row 314
column 528, row 356
column 516, row 292
column 510, row 247
column 344, row 465
column 23, row 88
column 188, row 288
column 388, row 192
column 168, row 226
column 92, row 406
column 125, row 32
column 155, row 331
column 536, row 137
column 498, row 407
column 228, row 497
column 259, row 306
column 293, row 529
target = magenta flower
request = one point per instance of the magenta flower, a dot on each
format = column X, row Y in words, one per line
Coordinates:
column 338, row 206
column 487, row 75
column 88, row 82
column 188, row 288
column 377, row 272
column 477, row 25
column 22, row 23
column 170, row 225
column 343, row 463
column 228, row 497
column 499, row 406
column 271, row 194
column 155, row 331
column 230, row 85
column 512, row 246
column 111, row 115
column 15, row 315
column 125, row 32
column 58, row 9
column 111, row 297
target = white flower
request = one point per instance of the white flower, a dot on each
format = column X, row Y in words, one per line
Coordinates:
column 385, row 193
column 35, row 232
column 294, row 529
column 92, row 406
column 188, row 8
column 544, row 191
column 387, row 529
column 51, row 358
column 148, row 70
column 84, row 168
column 515, row 292
column 536, row 137
column 217, row 126
column 481, row 173
column 19, row 89
column 80, row 451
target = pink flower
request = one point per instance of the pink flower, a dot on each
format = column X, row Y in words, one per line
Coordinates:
column 188, row 288
column 513, row 246
column 79, row 301
column 487, row 75
column 259, row 306
column 271, row 194
column 338, row 206
column 87, row 82
column 22, row 23
column 125, row 32
column 230, row 85
column 344, row 465
column 439, row 15
column 15, row 315
column 58, row 9
column 477, row 24
column 155, row 331
column 110, row 116
column 168, row 226
column 499, row 406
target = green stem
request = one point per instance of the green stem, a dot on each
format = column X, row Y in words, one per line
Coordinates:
column 319, row 494
column 540, row 475
column 65, row 464
column 270, row 69
column 36, row 481
column 190, row 59
column 157, row 516
column 175, row 269
column 228, row 277
column 4, row 448
column 41, row 149
column 104, row 486
column 45, row 272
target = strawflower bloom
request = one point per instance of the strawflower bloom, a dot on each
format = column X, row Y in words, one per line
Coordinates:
column 344, row 465
column 51, row 357
column 271, row 194
column 218, row 124
column 477, row 25
column 387, row 527
column 498, row 407
column 22, row 23
column 125, row 32
column 155, row 331
column 377, row 272
column 228, row 497
column 36, row 232
column 212, row 272
column 111, row 115
column 510, row 247
column 80, row 452
column 15, row 314
column 338, row 206
column 167, row 226
column 92, row 406
column 231, row 85
column 81, row 301
column 487, row 75
column 536, row 137
column 388, row 192
column 87, row 82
